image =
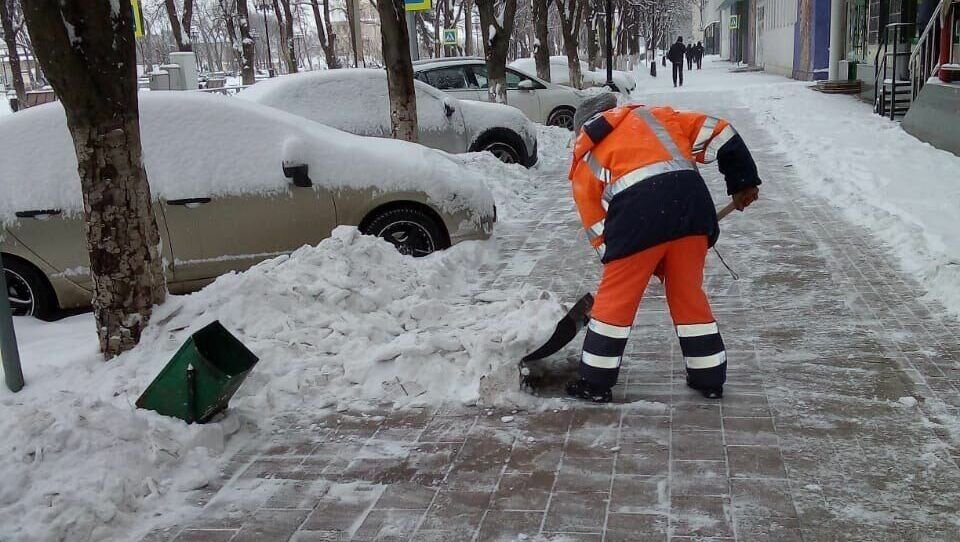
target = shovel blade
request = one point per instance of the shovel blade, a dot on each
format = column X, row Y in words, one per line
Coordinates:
column 567, row 328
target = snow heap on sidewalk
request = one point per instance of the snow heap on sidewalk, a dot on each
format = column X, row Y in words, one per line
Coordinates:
column 349, row 323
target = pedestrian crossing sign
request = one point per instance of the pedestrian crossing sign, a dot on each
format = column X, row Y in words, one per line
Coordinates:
column 449, row 36
column 417, row 5
column 734, row 22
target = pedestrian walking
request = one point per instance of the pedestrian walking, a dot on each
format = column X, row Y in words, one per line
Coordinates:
column 675, row 55
column 699, row 54
column 647, row 211
column 691, row 51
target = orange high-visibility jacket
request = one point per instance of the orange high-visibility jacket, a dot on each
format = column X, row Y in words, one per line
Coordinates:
column 635, row 178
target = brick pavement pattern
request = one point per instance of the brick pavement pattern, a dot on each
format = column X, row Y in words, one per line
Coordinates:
column 816, row 438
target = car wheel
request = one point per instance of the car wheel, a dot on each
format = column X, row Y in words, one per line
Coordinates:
column 503, row 151
column 562, row 117
column 27, row 290
column 413, row 231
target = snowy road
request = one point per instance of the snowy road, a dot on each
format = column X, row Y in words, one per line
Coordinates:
column 841, row 419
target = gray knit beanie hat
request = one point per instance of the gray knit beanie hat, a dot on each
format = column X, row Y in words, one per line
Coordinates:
column 593, row 105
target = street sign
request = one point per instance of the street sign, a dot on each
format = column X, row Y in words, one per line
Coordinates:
column 137, row 18
column 734, row 22
column 417, row 5
column 449, row 36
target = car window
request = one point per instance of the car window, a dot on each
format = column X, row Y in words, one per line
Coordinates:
column 513, row 78
column 452, row 78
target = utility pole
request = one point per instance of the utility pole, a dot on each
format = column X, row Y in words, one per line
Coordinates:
column 412, row 32
column 9, row 354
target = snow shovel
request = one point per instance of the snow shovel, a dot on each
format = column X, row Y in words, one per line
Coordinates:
column 569, row 326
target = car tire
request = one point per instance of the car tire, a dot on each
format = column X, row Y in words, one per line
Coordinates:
column 412, row 230
column 28, row 290
column 504, row 144
column 562, row 117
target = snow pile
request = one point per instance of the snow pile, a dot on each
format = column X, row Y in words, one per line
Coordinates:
column 4, row 105
column 904, row 190
column 514, row 186
column 350, row 322
column 196, row 145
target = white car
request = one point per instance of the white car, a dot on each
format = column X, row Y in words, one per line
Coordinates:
column 466, row 78
column 560, row 73
column 356, row 101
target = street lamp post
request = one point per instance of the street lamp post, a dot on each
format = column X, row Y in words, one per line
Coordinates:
column 9, row 354
column 264, row 5
column 194, row 36
column 609, row 8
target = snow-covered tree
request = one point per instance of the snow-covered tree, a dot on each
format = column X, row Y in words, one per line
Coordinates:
column 396, row 56
column 496, row 26
column 11, row 21
column 571, row 16
column 87, row 51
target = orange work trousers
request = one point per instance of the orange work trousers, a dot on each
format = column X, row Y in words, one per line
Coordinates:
column 680, row 263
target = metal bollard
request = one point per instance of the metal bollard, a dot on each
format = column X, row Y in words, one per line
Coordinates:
column 9, row 354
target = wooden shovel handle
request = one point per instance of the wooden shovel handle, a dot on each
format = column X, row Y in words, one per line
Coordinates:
column 722, row 213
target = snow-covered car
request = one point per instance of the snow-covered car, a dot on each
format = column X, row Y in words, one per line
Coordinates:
column 560, row 74
column 233, row 183
column 363, row 108
column 466, row 78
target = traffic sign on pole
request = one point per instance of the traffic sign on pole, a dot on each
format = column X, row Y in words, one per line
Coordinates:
column 417, row 5
column 449, row 36
column 137, row 18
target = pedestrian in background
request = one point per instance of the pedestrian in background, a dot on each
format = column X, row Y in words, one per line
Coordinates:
column 675, row 55
column 699, row 54
column 691, row 52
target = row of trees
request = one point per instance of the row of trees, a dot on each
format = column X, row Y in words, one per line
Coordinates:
column 92, row 66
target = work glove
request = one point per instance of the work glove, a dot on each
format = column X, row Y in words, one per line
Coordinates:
column 745, row 197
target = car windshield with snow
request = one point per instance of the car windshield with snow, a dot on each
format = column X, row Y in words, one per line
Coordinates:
column 466, row 79
column 363, row 108
column 233, row 183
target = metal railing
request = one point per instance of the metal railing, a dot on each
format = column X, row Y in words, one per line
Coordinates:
column 890, row 97
column 925, row 60
column 226, row 91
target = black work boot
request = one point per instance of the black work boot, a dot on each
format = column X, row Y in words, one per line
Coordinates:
column 582, row 389
column 710, row 392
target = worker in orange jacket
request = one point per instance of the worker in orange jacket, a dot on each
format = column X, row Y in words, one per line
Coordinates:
column 646, row 211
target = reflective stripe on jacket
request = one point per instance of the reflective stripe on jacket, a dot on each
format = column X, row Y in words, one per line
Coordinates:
column 635, row 178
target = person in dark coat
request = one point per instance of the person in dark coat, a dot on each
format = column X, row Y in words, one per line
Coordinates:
column 675, row 55
column 698, row 54
column 691, row 52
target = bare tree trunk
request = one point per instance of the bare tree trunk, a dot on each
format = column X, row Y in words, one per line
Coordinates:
column 541, row 47
column 186, row 24
column 396, row 57
column 593, row 43
column 326, row 35
column 468, row 27
column 93, row 70
column 10, row 39
column 291, row 39
column 496, row 42
column 227, row 13
column 571, row 15
column 247, row 69
column 175, row 26
column 352, row 17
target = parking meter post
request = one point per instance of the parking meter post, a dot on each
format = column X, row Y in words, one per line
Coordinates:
column 10, row 355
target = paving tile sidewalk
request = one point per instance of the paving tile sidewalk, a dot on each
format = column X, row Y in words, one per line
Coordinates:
column 839, row 422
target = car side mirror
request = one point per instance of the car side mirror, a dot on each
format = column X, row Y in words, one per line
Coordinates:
column 298, row 173
column 526, row 84
column 449, row 109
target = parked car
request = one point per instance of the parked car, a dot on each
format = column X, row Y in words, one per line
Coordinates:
column 234, row 183
column 363, row 108
column 560, row 74
column 466, row 78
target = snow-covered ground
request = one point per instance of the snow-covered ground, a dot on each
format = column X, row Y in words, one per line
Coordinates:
column 902, row 189
column 352, row 324
column 4, row 106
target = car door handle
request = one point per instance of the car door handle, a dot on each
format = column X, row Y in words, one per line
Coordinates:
column 38, row 213
column 189, row 202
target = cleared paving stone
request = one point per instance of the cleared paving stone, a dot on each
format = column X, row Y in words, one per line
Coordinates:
column 699, row 478
column 767, row 529
column 750, row 431
column 762, row 498
column 576, row 513
column 388, row 525
column 701, row 516
column 755, row 462
column 640, row 495
column 501, row 525
column 697, row 445
column 585, row 474
column 636, row 528
column 271, row 526
column 527, row 491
